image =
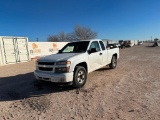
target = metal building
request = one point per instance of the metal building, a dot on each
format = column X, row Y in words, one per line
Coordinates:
column 13, row 50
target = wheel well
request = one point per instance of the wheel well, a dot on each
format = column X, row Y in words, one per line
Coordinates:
column 115, row 55
column 83, row 64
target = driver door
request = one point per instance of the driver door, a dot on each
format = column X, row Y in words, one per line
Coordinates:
column 95, row 58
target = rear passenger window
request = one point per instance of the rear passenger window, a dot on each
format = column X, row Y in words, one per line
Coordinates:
column 102, row 45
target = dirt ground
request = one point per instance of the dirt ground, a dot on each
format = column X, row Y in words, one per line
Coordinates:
column 129, row 92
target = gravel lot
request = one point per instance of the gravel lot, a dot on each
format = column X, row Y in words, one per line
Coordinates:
column 129, row 92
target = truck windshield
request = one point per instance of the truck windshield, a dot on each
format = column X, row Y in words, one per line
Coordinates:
column 75, row 47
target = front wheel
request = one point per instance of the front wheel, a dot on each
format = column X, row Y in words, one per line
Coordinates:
column 80, row 77
column 113, row 63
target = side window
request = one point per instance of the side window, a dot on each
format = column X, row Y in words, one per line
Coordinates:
column 95, row 45
column 102, row 45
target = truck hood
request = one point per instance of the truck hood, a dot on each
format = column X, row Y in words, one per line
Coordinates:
column 58, row 57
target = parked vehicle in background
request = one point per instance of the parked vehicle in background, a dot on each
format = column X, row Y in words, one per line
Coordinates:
column 140, row 43
column 122, row 45
column 114, row 44
column 129, row 43
column 157, row 43
column 126, row 43
column 74, row 61
column 111, row 46
column 118, row 45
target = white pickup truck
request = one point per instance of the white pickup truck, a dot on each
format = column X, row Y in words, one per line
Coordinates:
column 74, row 61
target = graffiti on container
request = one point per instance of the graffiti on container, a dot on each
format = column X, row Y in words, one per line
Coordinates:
column 34, row 46
column 51, row 50
column 35, row 49
column 55, row 48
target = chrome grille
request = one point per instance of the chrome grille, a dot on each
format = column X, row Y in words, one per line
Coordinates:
column 46, row 63
column 45, row 69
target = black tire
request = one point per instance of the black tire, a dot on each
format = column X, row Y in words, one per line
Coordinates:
column 113, row 63
column 80, row 77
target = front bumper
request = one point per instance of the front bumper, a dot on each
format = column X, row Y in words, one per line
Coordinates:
column 54, row 77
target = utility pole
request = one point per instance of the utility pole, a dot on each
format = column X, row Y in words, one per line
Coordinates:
column 37, row 39
column 151, row 38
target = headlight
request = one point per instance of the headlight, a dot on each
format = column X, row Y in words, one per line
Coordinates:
column 63, row 63
column 61, row 69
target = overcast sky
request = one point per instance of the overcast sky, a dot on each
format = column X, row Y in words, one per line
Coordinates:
column 111, row 19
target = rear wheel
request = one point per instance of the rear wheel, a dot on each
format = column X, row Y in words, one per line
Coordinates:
column 80, row 77
column 113, row 63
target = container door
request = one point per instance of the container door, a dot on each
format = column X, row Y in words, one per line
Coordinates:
column 9, row 50
column 15, row 50
column 21, row 44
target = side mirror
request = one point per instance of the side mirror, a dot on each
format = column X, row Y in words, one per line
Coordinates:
column 93, row 50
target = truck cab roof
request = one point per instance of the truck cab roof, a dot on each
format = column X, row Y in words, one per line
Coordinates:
column 92, row 40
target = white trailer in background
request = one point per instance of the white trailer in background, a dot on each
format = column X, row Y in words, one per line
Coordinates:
column 13, row 50
column 135, row 42
column 130, row 43
column 106, row 41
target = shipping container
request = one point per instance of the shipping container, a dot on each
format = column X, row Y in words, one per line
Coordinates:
column 40, row 49
column 13, row 50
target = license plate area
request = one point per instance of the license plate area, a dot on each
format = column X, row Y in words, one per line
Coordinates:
column 43, row 78
column 54, row 79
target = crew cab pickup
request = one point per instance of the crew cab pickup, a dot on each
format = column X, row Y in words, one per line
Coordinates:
column 74, row 61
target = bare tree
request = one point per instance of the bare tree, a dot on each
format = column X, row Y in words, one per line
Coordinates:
column 62, row 36
column 79, row 33
column 71, row 37
column 83, row 33
column 52, row 38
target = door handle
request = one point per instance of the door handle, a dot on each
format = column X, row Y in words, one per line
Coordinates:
column 100, row 53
